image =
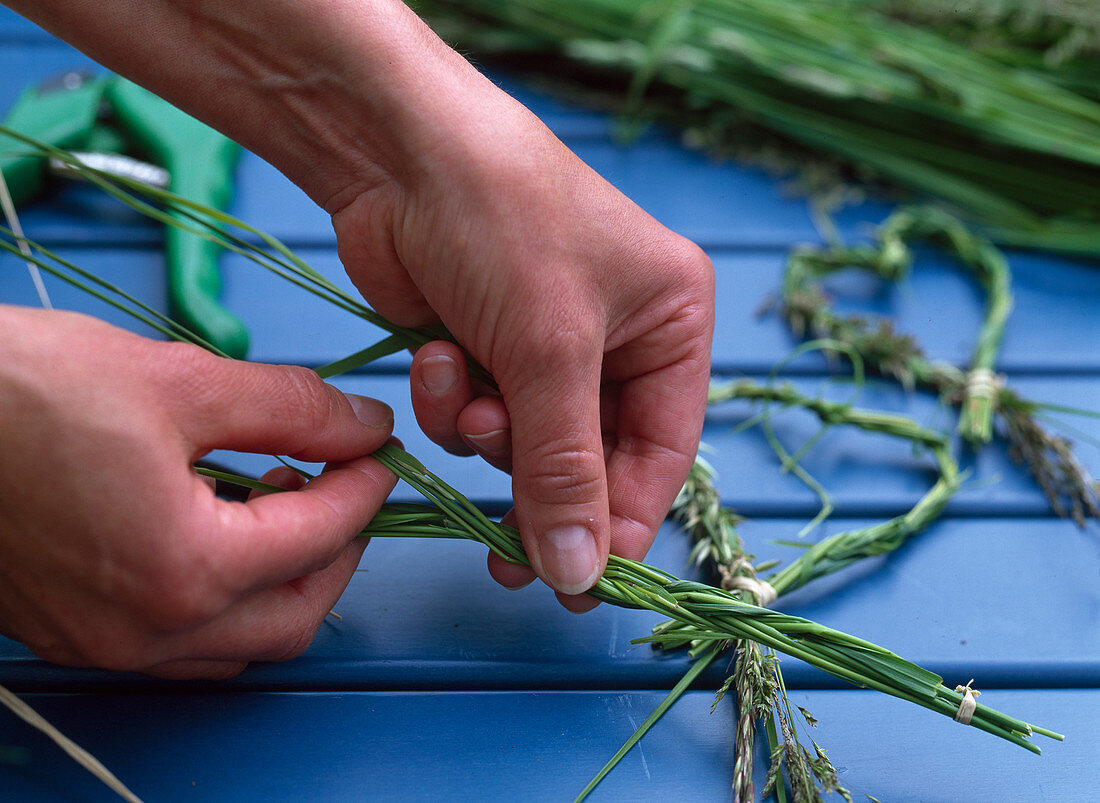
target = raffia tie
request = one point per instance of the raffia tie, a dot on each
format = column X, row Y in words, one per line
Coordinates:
column 981, row 383
column 761, row 589
column 968, row 704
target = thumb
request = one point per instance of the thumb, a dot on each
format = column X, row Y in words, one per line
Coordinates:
column 559, row 480
column 276, row 409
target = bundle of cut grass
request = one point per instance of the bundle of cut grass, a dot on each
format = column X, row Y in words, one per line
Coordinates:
column 1059, row 39
column 999, row 142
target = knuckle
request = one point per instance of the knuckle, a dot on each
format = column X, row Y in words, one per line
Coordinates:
column 294, row 641
column 688, row 267
column 304, row 404
column 563, row 473
column 184, row 365
column 688, row 256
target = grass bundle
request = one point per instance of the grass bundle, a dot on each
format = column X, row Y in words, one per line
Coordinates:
column 1059, row 39
column 757, row 678
column 703, row 614
column 1002, row 143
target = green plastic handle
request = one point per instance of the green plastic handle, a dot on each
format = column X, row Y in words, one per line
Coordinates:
column 200, row 163
column 63, row 116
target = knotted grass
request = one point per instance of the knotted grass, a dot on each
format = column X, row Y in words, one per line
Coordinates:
column 757, row 678
column 979, row 392
column 843, row 549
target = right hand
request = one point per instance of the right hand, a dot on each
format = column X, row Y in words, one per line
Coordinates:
column 594, row 319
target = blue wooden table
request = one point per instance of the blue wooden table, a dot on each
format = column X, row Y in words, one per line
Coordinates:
column 450, row 687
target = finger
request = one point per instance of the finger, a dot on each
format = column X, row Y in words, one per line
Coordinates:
column 513, row 576
column 272, row 625
column 484, row 424
column 558, row 480
column 281, row 477
column 372, row 263
column 225, row 488
column 273, row 409
column 440, row 388
column 577, row 603
column 281, row 536
column 659, row 421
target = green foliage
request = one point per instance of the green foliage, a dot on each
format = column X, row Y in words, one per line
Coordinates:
column 1008, row 135
column 981, row 394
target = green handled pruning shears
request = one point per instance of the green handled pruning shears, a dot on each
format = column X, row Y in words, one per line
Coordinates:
column 110, row 115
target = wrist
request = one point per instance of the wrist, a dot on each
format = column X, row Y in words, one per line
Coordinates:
column 390, row 102
column 340, row 95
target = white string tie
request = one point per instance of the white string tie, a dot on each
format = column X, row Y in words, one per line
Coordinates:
column 761, row 589
column 968, row 704
column 982, row 383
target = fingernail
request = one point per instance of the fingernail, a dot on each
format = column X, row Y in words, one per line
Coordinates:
column 495, row 444
column 371, row 412
column 569, row 558
column 438, row 374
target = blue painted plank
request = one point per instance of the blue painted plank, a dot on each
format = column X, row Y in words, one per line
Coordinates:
column 529, row 746
column 864, row 473
column 867, row 471
column 1053, row 328
column 15, row 29
column 375, row 746
column 426, row 615
column 140, row 272
column 883, row 748
column 982, row 597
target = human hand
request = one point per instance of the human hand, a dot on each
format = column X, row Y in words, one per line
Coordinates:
column 594, row 320
column 114, row 553
column 452, row 203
